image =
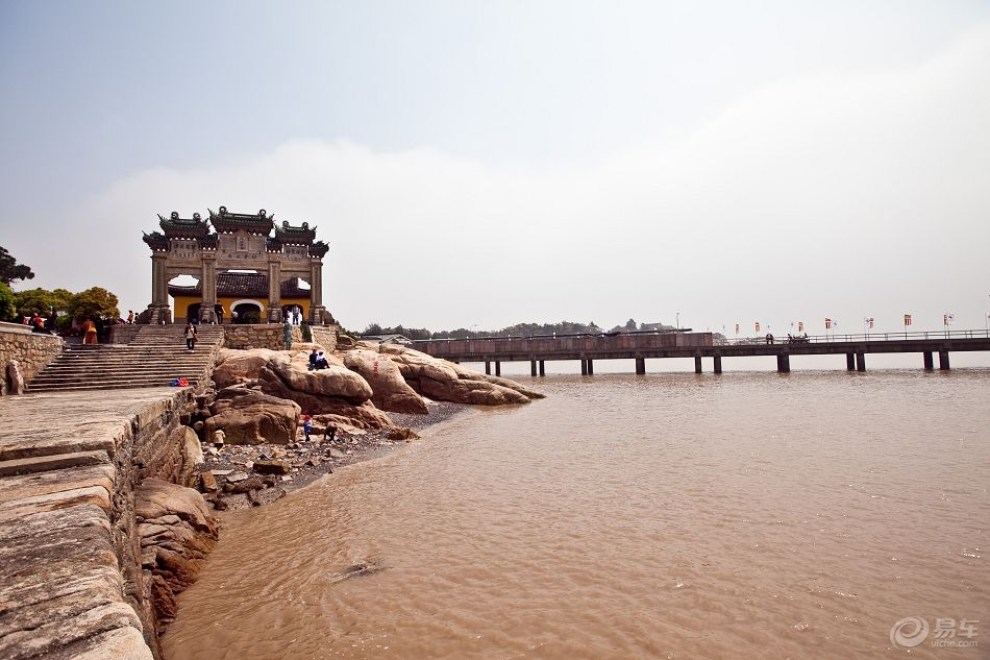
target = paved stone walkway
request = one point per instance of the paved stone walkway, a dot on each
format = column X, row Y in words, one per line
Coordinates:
column 62, row 592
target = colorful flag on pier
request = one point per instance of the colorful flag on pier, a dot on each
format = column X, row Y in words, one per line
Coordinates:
column 869, row 322
column 828, row 324
column 948, row 319
column 907, row 320
column 757, row 326
column 800, row 326
column 737, row 328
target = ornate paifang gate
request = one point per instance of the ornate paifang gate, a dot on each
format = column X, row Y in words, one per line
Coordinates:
column 187, row 246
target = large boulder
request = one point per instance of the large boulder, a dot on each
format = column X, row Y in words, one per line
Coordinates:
column 281, row 378
column 238, row 366
column 348, row 417
column 177, row 533
column 390, row 390
column 250, row 417
column 445, row 381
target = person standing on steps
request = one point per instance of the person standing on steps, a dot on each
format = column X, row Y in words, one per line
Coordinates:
column 287, row 334
column 89, row 330
column 190, row 335
column 307, row 426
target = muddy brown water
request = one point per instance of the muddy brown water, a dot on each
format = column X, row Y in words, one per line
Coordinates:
column 752, row 515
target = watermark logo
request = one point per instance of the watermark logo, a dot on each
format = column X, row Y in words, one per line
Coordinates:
column 909, row 632
column 914, row 631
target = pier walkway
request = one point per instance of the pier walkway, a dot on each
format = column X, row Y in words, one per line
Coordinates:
column 701, row 346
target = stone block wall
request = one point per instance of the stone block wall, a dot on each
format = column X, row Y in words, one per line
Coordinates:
column 262, row 335
column 33, row 350
column 123, row 334
column 325, row 336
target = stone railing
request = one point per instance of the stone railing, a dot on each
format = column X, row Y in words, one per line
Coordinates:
column 32, row 350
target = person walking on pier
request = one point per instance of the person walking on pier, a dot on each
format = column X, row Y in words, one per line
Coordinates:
column 769, row 338
column 190, row 334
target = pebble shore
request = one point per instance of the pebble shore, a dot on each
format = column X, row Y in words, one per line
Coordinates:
column 242, row 476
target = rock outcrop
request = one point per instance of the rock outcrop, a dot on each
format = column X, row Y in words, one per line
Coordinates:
column 177, row 533
column 445, row 381
column 251, row 417
column 390, row 391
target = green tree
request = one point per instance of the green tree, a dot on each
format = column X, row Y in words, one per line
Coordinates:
column 34, row 301
column 94, row 303
column 62, row 300
column 10, row 270
column 631, row 325
column 7, row 306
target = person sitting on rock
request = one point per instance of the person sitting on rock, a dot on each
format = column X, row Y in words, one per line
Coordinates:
column 321, row 361
column 312, row 360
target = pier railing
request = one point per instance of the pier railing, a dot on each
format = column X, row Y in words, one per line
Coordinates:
column 831, row 338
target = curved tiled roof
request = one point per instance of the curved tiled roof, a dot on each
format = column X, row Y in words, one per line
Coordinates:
column 243, row 285
column 224, row 221
column 176, row 227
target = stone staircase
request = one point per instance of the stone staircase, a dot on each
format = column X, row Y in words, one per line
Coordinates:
column 154, row 358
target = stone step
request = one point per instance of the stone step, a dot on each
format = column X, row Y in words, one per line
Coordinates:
column 55, row 462
column 129, row 385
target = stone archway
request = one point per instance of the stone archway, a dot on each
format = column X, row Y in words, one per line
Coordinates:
column 247, row 311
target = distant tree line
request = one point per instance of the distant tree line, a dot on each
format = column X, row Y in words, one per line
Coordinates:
column 517, row 330
column 95, row 303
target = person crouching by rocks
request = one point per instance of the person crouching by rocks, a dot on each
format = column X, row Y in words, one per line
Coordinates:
column 330, row 433
column 307, row 426
column 190, row 335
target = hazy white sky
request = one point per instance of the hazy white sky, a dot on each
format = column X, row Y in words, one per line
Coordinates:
column 487, row 163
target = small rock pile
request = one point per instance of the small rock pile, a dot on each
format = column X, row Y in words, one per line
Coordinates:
column 241, row 476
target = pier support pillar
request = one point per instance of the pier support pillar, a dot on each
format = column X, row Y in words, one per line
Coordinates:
column 640, row 366
column 943, row 360
column 498, row 368
column 860, row 361
column 697, row 364
column 488, row 368
column 717, row 360
column 784, row 363
column 929, row 363
column 850, row 362
column 591, row 367
column 543, row 368
column 532, row 368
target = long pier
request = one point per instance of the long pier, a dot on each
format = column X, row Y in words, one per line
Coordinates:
column 701, row 346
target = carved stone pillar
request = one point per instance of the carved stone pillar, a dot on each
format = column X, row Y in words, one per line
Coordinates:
column 159, row 282
column 316, row 291
column 208, row 284
column 274, row 288
column 160, row 312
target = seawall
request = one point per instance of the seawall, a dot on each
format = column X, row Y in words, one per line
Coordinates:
column 72, row 583
column 32, row 350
